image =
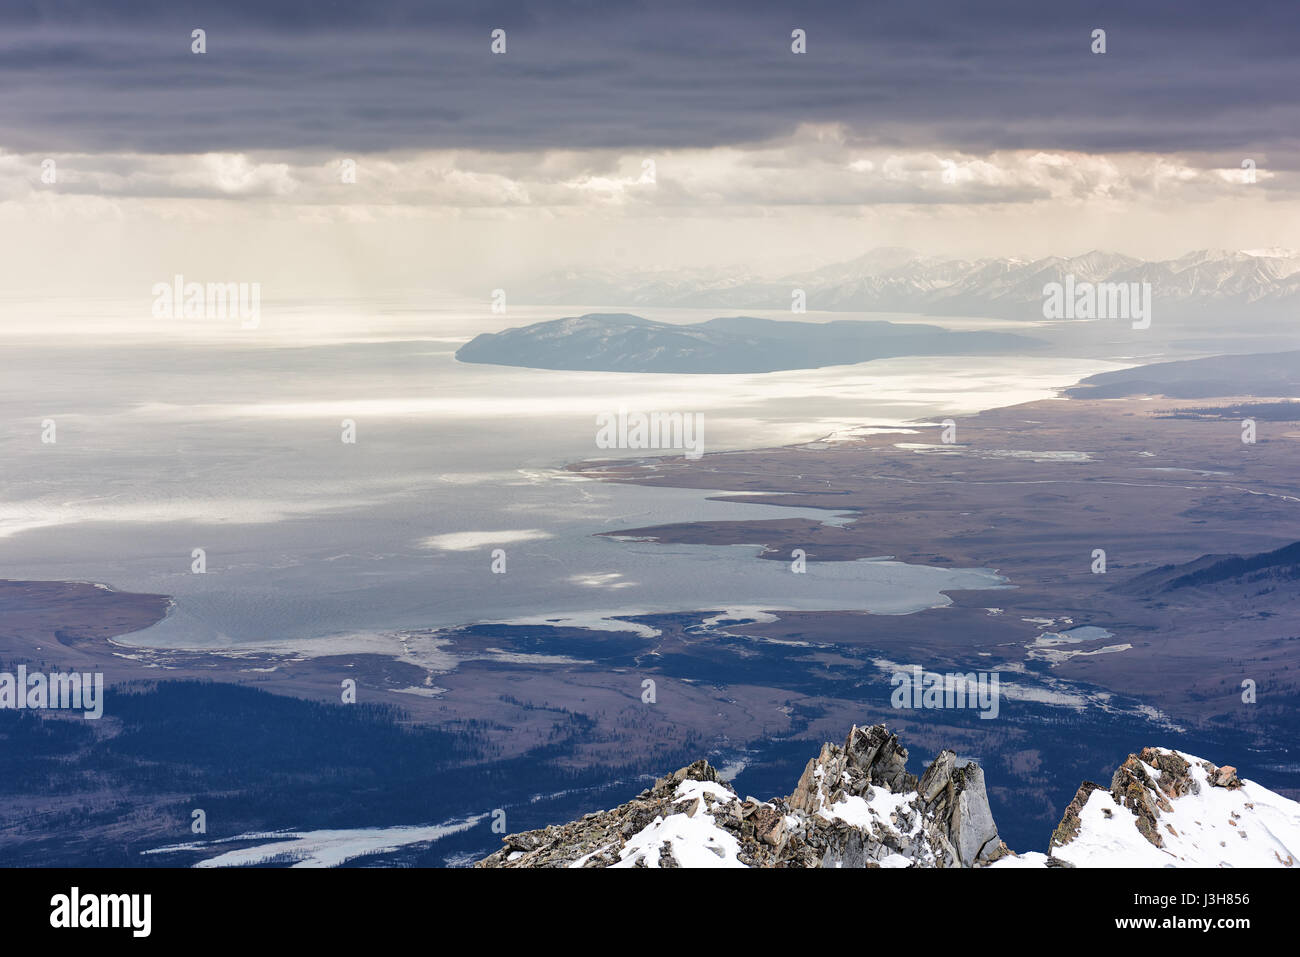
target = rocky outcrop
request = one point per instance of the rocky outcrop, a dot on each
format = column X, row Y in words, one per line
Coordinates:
column 954, row 795
column 1070, row 824
column 870, row 756
column 856, row 805
column 853, row 806
column 1165, row 808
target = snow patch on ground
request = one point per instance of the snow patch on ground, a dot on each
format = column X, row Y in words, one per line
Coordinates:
column 328, row 848
column 692, row 835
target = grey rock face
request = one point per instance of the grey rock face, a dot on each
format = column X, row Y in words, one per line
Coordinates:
column 961, row 801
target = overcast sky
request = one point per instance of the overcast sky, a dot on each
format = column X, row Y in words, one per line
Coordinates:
column 633, row 134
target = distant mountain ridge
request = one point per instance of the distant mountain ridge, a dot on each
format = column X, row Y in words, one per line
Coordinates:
column 893, row 279
column 1255, row 374
column 1279, row 566
column 619, row 342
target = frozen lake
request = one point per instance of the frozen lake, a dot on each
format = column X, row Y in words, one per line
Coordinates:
column 180, row 434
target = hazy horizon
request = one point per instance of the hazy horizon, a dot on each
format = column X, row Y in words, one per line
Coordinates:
column 404, row 153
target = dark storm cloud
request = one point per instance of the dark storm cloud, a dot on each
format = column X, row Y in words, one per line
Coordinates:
column 1182, row 76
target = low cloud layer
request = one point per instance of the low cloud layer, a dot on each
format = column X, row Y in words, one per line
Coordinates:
column 815, row 166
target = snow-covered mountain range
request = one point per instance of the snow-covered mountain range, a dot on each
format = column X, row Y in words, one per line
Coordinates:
column 857, row 806
column 891, row 279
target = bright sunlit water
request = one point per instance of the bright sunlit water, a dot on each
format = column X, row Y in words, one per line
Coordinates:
column 181, row 434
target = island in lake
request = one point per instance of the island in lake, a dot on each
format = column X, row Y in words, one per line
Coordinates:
column 619, row 342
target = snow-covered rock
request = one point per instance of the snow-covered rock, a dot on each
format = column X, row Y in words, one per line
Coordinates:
column 854, row 806
column 1170, row 809
column 857, row 806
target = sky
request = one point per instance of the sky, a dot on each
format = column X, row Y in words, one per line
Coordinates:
column 658, row 136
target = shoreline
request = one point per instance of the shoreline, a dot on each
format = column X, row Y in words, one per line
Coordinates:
column 739, row 683
column 995, row 471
